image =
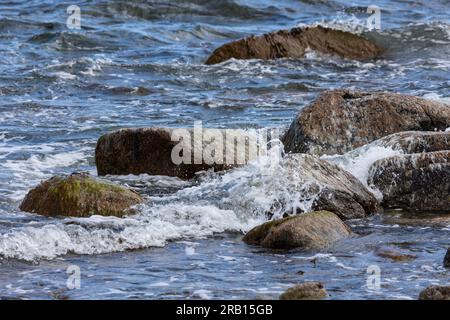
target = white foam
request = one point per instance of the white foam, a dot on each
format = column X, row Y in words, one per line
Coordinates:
column 202, row 294
column 28, row 172
column 359, row 161
column 155, row 226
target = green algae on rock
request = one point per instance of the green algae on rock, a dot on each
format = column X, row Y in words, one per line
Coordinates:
column 79, row 195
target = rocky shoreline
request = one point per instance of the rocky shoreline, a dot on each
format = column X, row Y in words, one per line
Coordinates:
column 337, row 122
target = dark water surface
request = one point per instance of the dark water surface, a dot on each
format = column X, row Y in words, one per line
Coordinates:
column 140, row 63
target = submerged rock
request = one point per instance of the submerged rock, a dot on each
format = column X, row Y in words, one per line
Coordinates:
column 305, row 291
column 312, row 230
column 341, row 120
column 435, row 293
column 394, row 255
column 79, row 195
column 418, row 181
column 175, row 152
column 325, row 186
column 294, row 43
column 447, row 259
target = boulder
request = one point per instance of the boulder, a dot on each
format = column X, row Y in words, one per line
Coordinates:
column 321, row 185
column 419, row 181
column 307, row 231
column 79, row 195
column 305, row 291
column 178, row 152
column 435, row 293
column 341, row 120
column 294, row 43
column 447, row 259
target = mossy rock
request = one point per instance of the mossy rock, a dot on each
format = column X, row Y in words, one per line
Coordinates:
column 312, row 230
column 305, row 291
column 79, row 195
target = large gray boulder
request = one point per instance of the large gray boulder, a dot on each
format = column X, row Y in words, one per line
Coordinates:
column 294, row 43
column 341, row 120
column 419, row 181
column 312, row 230
column 79, row 195
column 179, row 152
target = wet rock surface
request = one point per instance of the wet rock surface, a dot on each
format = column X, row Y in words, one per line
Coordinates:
column 414, row 182
column 435, row 293
column 341, row 120
column 79, row 195
column 305, row 291
column 294, row 43
column 328, row 187
column 447, row 259
column 312, row 230
column 151, row 150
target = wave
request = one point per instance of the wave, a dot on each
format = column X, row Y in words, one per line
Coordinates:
column 359, row 161
column 233, row 201
column 414, row 37
column 73, row 41
column 8, row 25
column 185, row 9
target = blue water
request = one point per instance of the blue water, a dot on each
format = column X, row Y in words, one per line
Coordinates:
column 140, row 63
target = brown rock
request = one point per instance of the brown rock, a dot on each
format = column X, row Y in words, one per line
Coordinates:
column 305, row 291
column 435, row 293
column 294, row 43
column 418, row 181
column 79, row 195
column 341, row 120
column 312, row 230
column 149, row 150
column 326, row 186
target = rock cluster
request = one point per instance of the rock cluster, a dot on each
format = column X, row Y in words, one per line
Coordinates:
column 341, row 120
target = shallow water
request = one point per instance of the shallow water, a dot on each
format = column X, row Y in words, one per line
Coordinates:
column 140, row 64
